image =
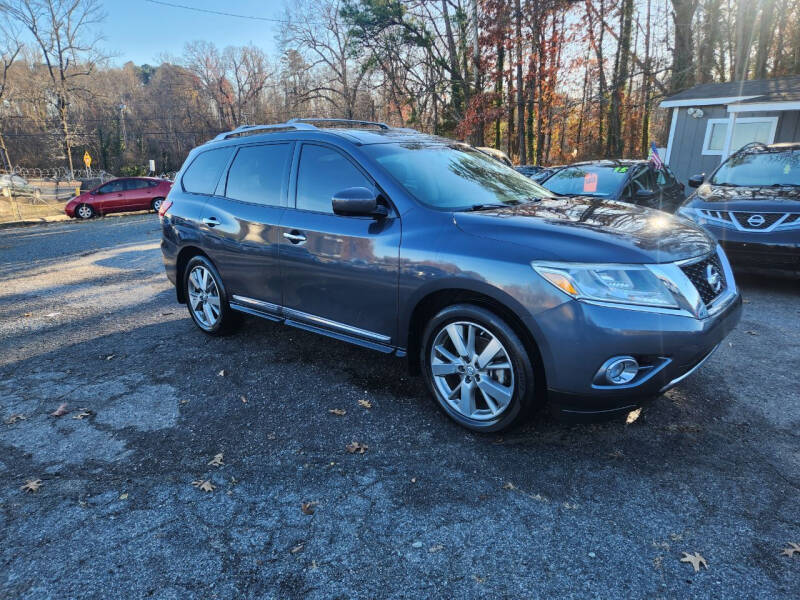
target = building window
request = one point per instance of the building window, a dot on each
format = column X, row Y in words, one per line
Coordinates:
column 746, row 130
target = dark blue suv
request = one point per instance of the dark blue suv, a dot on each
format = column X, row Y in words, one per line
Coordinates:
column 502, row 295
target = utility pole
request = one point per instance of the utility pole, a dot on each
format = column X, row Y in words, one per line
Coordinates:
column 122, row 108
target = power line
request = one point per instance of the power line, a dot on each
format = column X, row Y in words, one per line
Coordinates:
column 216, row 12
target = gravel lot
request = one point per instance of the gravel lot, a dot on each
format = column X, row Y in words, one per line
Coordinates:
column 87, row 318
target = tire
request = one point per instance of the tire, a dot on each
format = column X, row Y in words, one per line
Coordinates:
column 156, row 204
column 494, row 399
column 85, row 212
column 202, row 284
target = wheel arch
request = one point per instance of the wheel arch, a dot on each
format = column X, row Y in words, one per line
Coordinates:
column 496, row 301
column 186, row 254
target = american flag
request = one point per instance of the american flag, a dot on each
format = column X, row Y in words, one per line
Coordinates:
column 654, row 158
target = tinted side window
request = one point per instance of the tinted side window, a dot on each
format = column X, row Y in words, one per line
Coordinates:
column 202, row 175
column 258, row 174
column 323, row 172
column 135, row 184
column 118, row 185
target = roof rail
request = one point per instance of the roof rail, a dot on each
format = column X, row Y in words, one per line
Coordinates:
column 339, row 122
column 750, row 146
column 277, row 128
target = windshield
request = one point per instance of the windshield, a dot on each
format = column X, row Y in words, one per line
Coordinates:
column 454, row 177
column 588, row 180
column 760, row 170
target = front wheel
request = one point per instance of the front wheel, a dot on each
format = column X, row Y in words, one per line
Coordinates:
column 477, row 368
column 84, row 211
column 206, row 299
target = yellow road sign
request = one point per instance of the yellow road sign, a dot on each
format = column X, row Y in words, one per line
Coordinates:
column 87, row 159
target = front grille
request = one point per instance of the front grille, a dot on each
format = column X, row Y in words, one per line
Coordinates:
column 760, row 220
column 698, row 274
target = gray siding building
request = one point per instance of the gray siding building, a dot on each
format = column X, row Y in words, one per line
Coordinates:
column 713, row 120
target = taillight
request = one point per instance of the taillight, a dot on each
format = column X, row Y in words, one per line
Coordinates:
column 162, row 210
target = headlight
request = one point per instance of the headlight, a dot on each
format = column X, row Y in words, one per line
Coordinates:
column 611, row 283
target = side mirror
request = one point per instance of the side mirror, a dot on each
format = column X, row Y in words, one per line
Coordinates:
column 645, row 194
column 357, row 202
column 695, row 181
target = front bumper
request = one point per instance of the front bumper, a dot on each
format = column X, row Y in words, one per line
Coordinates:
column 673, row 346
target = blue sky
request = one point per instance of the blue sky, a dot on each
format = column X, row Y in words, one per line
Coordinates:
column 142, row 31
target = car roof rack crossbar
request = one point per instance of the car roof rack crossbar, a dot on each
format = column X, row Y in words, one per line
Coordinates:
column 339, row 122
column 275, row 128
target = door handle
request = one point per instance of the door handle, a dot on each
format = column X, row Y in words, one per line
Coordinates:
column 295, row 237
column 211, row 221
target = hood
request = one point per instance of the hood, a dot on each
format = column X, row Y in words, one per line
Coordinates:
column 584, row 229
column 756, row 198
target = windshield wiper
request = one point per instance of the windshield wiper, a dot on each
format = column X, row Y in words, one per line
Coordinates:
column 477, row 207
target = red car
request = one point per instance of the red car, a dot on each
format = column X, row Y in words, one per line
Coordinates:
column 120, row 195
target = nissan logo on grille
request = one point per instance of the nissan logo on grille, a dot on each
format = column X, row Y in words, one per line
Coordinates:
column 713, row 278
column 756, row 220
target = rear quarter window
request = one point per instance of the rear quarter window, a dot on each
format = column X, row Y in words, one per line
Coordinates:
column 202, row 175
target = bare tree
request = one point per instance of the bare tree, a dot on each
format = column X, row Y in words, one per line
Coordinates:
column 10, row 47
column 63, row 30
column 315, row 30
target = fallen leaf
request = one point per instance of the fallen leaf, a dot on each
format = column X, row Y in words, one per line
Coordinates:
column 695, row 560
column 14, row 418
column 183, row 402
column 354, row 447
column 632, row 416
column 203, row 485
column 60, row 411
column 436, row 548
column 243, row 399
column 110, row 356
column 365, row 403
column 791, row 549
column 28, row 315
column 123, row 496
column 413, row 480
column 499, row 441
column 83, row 414
column 297, row 548
column 308, row 507
column 751, row 332
column 479, row 579
column 216, row 461
column 339, row 412
column 509, row 486
column 221, row 373
column 32, row 485
column 52, row 314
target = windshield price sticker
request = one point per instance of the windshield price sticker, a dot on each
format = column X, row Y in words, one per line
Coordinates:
column 590, row 182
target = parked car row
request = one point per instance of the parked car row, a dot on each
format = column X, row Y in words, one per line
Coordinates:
column 750, row 203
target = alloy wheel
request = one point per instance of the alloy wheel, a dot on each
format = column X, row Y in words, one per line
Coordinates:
column 84, row 212
column 471, row 370
column 204, row 297
column 157, row 204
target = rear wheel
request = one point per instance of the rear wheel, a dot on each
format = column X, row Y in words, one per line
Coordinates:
column 477, row 368
column 84, row 211
column 206, row 299
column 156, row 204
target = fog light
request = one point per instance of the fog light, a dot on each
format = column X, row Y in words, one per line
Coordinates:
column 621, row 370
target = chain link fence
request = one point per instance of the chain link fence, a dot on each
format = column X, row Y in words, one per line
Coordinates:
column 33, row 193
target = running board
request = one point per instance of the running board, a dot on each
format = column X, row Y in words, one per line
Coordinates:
column 384, row 348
